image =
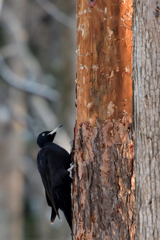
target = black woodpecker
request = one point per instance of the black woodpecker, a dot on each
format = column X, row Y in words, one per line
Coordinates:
column 54, row 165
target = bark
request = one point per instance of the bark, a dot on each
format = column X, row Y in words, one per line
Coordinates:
column 146, row 119
column 104, row 183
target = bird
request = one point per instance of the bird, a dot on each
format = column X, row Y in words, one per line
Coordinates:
column 54, row 165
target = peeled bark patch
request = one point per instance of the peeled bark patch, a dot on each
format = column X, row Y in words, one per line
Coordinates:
column 104, row 60
column 104, row 183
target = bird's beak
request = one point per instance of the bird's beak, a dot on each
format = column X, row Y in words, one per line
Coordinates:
column 55, row 130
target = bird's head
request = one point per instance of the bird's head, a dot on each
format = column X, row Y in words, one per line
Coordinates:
column 47, row 137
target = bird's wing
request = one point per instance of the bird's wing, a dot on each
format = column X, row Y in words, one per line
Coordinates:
column 63, row 194
column 58, row 163
column 48, row 200
column 46, row 179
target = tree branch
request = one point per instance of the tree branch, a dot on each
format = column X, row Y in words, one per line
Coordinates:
column 58, row 15
column 1, row 4
column 26, row 85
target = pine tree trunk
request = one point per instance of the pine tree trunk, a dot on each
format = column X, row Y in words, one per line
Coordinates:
column 104, row 183
column 146, row 54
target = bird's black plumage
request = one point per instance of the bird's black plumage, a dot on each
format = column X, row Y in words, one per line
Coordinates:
column 53, row 162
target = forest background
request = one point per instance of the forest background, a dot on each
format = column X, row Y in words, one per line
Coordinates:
column 37, row 93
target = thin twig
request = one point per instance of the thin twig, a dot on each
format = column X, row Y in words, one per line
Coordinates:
column 18, row 42
column 16, row 31
column 1, row 4
column 26, row 85
column 53, row 11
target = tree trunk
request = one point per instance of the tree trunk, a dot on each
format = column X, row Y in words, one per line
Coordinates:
column 104, row 183
column 146, row 29
column 12, row 147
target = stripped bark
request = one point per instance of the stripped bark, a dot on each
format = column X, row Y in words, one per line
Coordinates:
column 104, row 184
column 146, row 65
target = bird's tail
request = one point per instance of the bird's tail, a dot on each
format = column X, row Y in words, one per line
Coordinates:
column 53, row 215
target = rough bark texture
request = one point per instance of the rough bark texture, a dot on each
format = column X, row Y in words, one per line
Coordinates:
column 104, row 183
column 146, row 56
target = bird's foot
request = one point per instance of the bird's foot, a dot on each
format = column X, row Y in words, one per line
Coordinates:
column 71, row 145
column 72, row 165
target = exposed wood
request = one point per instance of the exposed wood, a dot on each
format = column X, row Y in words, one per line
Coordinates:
column 104, row 184
column 146, row 56
column 104, row 60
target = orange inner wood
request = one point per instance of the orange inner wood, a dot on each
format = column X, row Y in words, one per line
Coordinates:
column 104, row 60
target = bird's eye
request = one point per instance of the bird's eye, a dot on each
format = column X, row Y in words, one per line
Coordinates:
column 43, row 134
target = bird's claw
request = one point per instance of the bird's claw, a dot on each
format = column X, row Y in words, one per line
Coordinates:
column 72, row 165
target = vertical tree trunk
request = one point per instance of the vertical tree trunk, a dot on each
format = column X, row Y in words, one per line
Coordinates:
column 14, row 178
column 12, row 146
column 146, row 32
column 104, row 184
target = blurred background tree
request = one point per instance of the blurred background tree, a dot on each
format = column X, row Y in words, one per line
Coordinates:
column 37, row 92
